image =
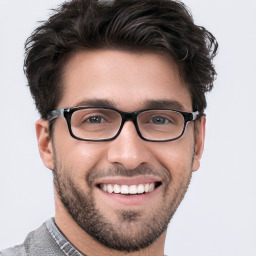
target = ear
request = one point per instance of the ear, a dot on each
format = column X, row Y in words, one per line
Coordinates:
column 45, row 143
column 199, row 142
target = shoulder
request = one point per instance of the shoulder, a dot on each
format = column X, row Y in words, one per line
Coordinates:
column 37, row 243
column 18, row 250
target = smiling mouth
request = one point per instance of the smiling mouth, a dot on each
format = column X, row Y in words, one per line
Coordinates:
column 129, row 189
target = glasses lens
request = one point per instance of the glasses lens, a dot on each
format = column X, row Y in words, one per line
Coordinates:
column 95, row 123
column 160, row 124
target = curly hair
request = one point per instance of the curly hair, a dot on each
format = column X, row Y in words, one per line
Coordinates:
column 161, row 26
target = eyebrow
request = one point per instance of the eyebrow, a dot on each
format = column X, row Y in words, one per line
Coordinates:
column 147, row 104
column 172, row 104
column 96, row 103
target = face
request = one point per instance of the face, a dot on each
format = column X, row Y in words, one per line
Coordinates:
column 86, row 173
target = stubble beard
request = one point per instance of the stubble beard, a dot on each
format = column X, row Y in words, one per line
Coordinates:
column 131, row 232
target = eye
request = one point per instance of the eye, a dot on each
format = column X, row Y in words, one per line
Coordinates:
column 95, row 120
column 159, row 120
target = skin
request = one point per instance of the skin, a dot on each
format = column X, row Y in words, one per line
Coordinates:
column 129, row 81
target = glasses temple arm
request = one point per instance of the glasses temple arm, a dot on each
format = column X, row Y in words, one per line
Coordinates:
column 55, row 114
column 195, row 115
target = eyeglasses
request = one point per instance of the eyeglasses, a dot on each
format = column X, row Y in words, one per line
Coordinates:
column 104, row 124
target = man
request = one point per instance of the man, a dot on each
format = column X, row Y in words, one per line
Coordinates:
column 120, row 87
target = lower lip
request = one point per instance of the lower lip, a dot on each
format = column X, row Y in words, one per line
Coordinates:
column 130, row 200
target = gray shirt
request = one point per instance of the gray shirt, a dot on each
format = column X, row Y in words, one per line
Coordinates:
column 47, row 240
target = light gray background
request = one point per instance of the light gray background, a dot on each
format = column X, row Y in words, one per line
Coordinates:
column 217, row 216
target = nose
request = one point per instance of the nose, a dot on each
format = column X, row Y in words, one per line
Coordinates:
column 128, row 149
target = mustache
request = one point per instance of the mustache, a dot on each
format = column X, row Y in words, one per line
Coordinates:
column 94, row 174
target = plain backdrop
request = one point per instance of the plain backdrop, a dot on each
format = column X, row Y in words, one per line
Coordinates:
column 217, row 216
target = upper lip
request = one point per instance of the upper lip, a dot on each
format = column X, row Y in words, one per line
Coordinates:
column 121, row 180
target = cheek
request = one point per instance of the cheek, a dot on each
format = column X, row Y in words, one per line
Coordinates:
column 74, row 156
column 177, row 156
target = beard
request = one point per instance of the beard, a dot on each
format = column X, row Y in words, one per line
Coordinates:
column 130, row 231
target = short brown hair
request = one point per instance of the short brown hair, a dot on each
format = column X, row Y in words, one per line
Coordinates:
column 163, row 26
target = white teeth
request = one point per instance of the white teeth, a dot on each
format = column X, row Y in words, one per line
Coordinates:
column 117, row 189
column 110, row 188
column 151, row 187
column 141, row 189
column 133, row 189
column 125, row 189
column 104, row 187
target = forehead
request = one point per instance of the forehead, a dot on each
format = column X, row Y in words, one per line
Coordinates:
column 128, row 80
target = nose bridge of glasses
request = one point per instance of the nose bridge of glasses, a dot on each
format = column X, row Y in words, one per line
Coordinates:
column 129, row 116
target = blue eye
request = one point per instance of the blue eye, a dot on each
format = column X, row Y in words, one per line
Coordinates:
column 160, row 120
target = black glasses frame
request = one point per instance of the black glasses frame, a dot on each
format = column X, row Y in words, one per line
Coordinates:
column 126, row 116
